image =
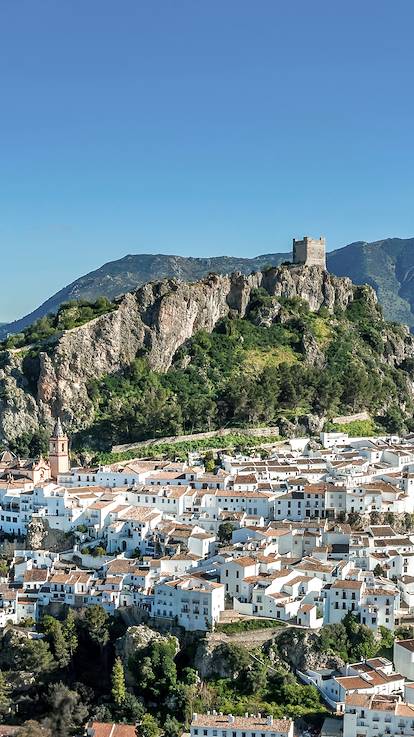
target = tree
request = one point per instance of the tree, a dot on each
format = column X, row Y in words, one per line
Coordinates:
column 147, row 726
column 393, row 420
column 253, row 678
column 156, row 672
column 235, row 658
column 56, row 638
column 378, row 570
column 389, row 518
column 408, row 521
column 172, row 727
column 36, row 657
column 118, row 690
column 354, row 519
column 4, row 568
column 33, row 729
column 70, row 633
column 362, row 643
column 67, row 712
column 404, row 632
column 387, row 638
column 209, row 462
column 132, row 709
column 375, row 518
column 333, row 638
column 225, row 532
column 5, row 701
column 96, row 624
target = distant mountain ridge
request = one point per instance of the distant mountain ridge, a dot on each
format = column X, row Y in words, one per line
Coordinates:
column 387, row 265
column 130, row 272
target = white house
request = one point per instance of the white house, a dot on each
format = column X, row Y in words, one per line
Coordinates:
column 193, row 602
column 234, row 571
column 372, row 715
column 404, row 658
column 221, row 725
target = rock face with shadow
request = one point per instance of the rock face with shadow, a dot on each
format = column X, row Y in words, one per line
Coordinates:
column 154, row 321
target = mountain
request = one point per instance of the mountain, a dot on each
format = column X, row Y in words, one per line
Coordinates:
column 128, row 273
column 227, row 350
column 387, row 265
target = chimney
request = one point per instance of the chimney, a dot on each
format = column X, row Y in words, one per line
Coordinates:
column 195, row 715
column 270, row 720
column 231, row 718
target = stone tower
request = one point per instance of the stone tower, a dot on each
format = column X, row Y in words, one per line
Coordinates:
column 58, row 451
column 309, row 252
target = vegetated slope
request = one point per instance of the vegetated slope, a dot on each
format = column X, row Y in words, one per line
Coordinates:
column 129, row 273
column 272, row 347
column 388, row 266
column 281, row 364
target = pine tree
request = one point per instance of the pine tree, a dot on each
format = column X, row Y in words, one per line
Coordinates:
column 54, row 632
column 70, row 633
column 118, row 682
column 95, row 622
column 60, row 648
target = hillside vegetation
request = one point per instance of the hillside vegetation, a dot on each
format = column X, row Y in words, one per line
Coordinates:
column 69, row 315
column 262, row 369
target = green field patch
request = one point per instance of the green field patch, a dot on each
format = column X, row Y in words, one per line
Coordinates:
column 256, row 359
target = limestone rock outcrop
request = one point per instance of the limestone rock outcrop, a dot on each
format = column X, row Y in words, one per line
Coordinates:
column 153, row 321
column 135, row 640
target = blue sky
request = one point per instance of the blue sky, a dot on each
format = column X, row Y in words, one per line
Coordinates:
column 197, row 128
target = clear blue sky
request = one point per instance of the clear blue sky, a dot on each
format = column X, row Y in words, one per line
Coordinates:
column 197, row 128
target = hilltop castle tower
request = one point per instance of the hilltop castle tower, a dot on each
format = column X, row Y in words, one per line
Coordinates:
column 58, row 451
column 309, row 252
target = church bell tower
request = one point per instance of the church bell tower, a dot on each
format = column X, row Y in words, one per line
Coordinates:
column 58, row 451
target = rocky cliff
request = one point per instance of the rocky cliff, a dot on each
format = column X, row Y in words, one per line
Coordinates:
column 155, row 320
column 387, row 265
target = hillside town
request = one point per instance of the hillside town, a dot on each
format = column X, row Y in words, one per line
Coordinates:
column 306, row 535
